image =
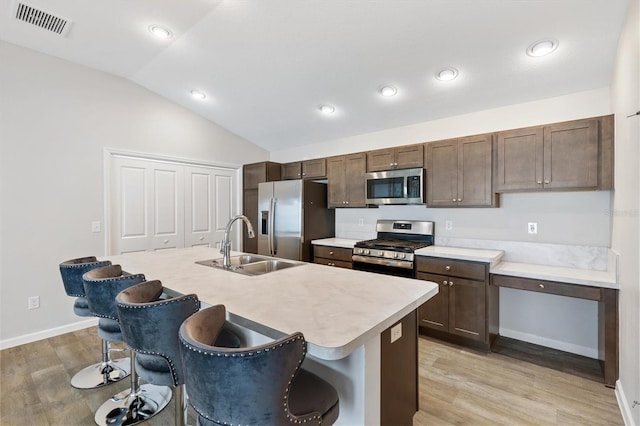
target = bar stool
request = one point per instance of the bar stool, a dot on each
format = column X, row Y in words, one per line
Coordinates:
column 258, row 385
column 139, row 403
column 108, row 371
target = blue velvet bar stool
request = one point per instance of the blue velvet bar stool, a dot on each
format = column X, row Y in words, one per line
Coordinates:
column 108, row 371
column 139, row 403
column 150, row 328
column 257, row 385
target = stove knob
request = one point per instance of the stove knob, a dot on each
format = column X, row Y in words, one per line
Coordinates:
column 395, row 255
column 366, row 252
column 402, row 256
column 380, row 253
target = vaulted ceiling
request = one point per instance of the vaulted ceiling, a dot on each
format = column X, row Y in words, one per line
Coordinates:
column 266, row 66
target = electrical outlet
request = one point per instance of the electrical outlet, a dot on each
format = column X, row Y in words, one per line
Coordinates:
column 33, row 302
column 361, row 222
column 448, row 225
column 95, row 226
column 532, row 227
column 396, row 332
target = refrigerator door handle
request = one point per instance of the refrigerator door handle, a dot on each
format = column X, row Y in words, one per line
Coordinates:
column 272, row 211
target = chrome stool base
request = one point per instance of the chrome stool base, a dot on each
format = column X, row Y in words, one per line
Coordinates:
column 127, row 408
column 102, row 374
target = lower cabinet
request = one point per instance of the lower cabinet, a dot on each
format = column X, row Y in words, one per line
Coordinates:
column 332, row 256
column 465, row 310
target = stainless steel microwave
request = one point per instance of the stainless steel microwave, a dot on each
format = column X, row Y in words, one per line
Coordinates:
column 395, row 187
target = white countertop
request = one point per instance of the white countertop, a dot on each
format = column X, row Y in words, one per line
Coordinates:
column 336, row 309
column 335, row 242
column 604, row 279
column 492, row 257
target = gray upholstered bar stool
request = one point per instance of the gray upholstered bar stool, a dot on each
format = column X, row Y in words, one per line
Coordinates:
column 257, row 385
column 105, row 372
column 139, row 403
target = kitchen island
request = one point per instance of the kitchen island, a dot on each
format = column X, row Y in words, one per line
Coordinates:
column 360, row 327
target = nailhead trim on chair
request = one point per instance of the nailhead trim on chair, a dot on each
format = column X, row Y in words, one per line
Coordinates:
column 167, row 302
column 115, row 279
column 286, row 393
column 79, row 265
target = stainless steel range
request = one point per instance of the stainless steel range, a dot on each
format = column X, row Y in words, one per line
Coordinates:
column 392, row 252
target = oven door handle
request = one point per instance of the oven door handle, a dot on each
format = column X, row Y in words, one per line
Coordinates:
column 384, row 262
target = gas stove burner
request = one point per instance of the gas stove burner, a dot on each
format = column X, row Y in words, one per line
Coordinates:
column 398, row 245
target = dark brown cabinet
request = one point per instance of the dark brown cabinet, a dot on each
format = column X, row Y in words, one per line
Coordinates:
column 573, row 155
column 402, row 157
column 332, row 256
column 465, row 306
column 309, row 169
column 252, row 175
column 346, row 181
column 459, row 172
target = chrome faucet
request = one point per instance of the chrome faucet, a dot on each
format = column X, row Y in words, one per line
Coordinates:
column 225, row 249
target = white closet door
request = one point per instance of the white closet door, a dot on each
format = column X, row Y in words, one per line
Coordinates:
column 210, row 200
column 147, row 205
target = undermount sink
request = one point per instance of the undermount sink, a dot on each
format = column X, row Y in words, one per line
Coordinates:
column 250, row 265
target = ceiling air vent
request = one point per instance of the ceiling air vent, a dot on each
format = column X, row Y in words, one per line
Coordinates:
column 42, row 19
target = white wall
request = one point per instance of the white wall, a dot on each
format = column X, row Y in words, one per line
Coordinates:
column 625, row 96
column 569, row 218
column 55, row 120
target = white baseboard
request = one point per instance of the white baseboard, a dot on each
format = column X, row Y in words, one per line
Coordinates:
column 623, row 403
column 550, row 343
column 45, row 334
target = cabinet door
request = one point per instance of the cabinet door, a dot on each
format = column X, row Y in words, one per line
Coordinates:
column 253, row 174
column 355, row 165
column 519, row 165
column 442, row 173
column 467, row 307
column 292, row 170
column 408, row 157
column 250, row 210
column 381, row 159
column 571, row 155
column 314, row 168
column 434, row 313
column 475, row 154
column 337, row 183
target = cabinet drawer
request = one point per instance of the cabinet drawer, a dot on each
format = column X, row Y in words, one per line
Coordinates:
column 333, row 262
column 551, row 287
column 451, row 267
column 337, row 253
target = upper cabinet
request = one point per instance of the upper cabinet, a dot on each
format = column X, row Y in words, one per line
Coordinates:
column 253, row 174
column 345, row 174
column 401, row 157
column 573, row 155
column 308, row 169
column 459, row 172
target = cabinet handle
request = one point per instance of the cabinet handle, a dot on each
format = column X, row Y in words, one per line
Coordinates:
column 391, row 164
column 331, row 253
column 453, row 199
column 445, row 283
column 459, row 199
column 331, row 264
column 346, row 202
column 539, row 182
column 395, row 164
column 304, row 174
column 447, row 268
column 541, row 285
column 166, row 241
column 201, row 238
column 450, row 283
column 546, row 181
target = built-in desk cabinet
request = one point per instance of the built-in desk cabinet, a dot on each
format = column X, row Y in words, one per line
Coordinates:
column 401, row 157
column 346, row 183
column 252, row 175
column 572, row 155
column 332, row 256
column 459, row 172
column 465, row 310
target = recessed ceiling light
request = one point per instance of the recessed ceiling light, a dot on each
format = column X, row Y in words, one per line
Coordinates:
column 388, row 91
column 160, row 32
column 447, row 74
column 327, row 109
column 542, row 48
column 197, row 94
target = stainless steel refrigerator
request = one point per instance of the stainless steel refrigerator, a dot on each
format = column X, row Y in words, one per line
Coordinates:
column 291, row 213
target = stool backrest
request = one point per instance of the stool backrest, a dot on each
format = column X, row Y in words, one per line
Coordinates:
column 238, row 386
column 150, row 324
column 102, row 285
column 72, row 271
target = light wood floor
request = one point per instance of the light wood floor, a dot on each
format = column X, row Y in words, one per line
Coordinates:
column 457, row 387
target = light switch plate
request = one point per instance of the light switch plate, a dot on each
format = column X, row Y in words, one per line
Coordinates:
column 532, row 227
column 396, row 332
column 95, row 226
